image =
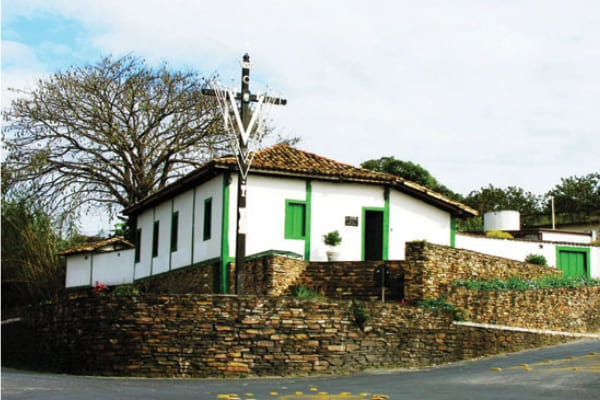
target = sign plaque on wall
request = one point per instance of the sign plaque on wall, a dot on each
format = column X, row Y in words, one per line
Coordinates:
column 351, row 221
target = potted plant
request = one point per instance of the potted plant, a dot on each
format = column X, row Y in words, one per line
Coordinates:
column 331, row 240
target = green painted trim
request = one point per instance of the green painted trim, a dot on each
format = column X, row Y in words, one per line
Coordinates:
column 307, row 240
column 452, row 232
column 585, row 250
column 171, row 232
column 193, row 225
column 386, row 226
column 152, row 240
column 285, row 253
column 225, row 259
column 385, row 238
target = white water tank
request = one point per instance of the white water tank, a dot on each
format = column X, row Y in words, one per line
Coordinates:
column 506, row 220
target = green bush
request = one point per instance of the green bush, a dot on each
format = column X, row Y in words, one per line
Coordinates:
column 126, row 290
column 537, row 259
column 360, row 313
column 443, row 304
column 498, row 235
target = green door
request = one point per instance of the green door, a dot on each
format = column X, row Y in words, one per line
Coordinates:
column 573, row 261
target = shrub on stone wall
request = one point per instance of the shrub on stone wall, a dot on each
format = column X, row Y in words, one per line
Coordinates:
column 537, row 259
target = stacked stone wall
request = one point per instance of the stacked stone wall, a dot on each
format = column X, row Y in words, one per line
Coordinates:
column 270, row 275
column 353, row 279
column 220, row 336
column 432, row 269
column 195, row 279
column 561, row 309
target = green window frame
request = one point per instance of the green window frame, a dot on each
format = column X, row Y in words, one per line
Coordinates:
column 207, row 228
column 295, row 219
column 138, row 245
column 174, row 230
column 155, row 238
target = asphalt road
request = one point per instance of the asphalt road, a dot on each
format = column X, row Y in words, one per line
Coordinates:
column 569, row 371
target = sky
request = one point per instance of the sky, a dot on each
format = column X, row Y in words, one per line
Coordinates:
column 500, row 92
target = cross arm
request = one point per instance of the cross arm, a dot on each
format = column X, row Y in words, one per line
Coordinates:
column 238, row 96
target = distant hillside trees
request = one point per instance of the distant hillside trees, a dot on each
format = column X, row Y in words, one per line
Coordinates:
column 411, row 171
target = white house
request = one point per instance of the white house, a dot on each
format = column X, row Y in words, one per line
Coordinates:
column 293, row 199
column 109, row 262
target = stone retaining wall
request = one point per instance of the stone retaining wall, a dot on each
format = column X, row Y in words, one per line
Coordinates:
column 269, row 275
column 561, row 309
column 353, row 279
column 219, row 336
column 431, row 269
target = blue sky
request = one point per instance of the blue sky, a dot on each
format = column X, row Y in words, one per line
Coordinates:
column 54, row 39
column 504, row 92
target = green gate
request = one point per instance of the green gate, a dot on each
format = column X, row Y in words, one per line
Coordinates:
column 573, row 261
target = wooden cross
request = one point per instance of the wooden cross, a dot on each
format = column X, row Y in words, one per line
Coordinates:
column 244, row 97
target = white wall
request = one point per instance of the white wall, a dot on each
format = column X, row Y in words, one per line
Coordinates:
column 113, row 268
column 190, row 206
column 208, row 249
column 331, row 203
column 110, row 268
column 265, row 203
column 519, row 250
column 145, row 222
column 182, row 256
column 160, row 263
column 559, row 236
column 412, row 219
column 78, row 270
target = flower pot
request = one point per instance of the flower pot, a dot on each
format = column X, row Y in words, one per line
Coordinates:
column 333, row 256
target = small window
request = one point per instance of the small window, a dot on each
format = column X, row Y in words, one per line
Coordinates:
column 207, row 218
column 138, row 245
column 295, row 220
column 174, row 230
column 155, row 239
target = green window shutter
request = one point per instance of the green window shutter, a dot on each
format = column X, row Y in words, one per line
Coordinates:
column 155, row 239
column 138, row 244
column 174, row 230
column 207, row 219
column 295, row 219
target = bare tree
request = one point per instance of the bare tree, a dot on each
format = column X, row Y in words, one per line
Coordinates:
column 108, row 134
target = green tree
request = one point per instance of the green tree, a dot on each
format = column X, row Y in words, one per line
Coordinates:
column 576, row 195
column 491, row 198
column 108, row 134
column 410, row 171
column 32, row 272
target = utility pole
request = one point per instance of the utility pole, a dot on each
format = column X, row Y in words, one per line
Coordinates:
column 245, row 97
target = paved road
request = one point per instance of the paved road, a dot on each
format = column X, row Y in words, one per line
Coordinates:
column 569, row 371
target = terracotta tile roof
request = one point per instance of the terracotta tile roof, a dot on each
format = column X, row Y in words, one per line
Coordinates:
column 114, row 243
column 285, row 158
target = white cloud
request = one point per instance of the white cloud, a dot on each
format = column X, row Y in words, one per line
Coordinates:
column 477, row 92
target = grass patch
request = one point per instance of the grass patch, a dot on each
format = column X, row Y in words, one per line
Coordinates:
column 516, row 283
column 441, row 303
column 302, row 292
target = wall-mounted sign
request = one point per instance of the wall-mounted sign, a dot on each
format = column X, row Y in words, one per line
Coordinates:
column 351, row 221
